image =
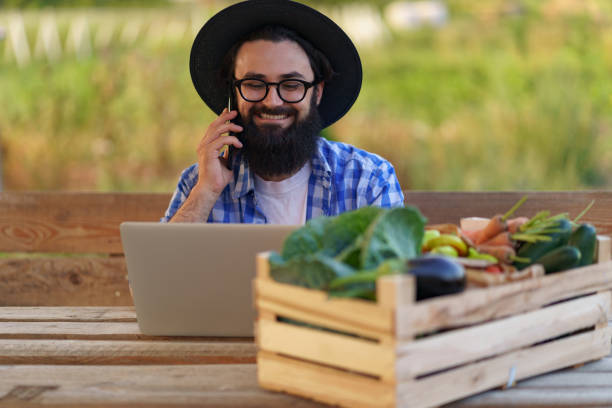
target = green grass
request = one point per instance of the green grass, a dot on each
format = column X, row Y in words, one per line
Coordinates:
column 502, row 102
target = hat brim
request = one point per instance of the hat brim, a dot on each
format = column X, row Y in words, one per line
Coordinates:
column 232, row 24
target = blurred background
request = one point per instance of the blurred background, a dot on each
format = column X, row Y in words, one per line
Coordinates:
column 457, row 94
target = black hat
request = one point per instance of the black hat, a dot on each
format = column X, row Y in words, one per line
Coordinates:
column 233, row 23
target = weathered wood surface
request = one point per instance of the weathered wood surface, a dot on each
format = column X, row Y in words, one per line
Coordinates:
column 64, row 282
column 121, row 352
column 67, row 314
column 89, row 222
column 143, row 386
column 104, row 335
column 72, row 222
column 86, row 223
column 182, row 372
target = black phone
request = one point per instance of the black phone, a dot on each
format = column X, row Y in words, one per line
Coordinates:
column 229, row 156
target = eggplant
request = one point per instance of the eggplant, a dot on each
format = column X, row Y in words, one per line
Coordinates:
column 436, row 276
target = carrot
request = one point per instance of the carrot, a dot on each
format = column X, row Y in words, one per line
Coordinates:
column 495, row 226
column 515, row 223
column 503, row 238
column 503, row 253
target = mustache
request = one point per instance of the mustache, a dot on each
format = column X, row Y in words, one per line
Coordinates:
column 281, row 110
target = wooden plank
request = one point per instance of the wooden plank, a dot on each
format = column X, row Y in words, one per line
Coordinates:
column 89, row 222
column 448, row 207
column 68, row 314
column 64, row 282
column 540, row 398
column 600, row 366
column 218, row 385
column 125, row 352
column 333, row 349
column 495, row 372
column 311, row 306
column 568, row 378
column 461, row 346
column 479, row 305
column 90, row 331
column 72, row 222
column 320, row 383
column 71, row 330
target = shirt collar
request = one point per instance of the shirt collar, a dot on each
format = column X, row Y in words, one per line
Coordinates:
column 244, row 179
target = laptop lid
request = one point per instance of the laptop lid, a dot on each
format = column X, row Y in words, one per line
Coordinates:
column 195, row 279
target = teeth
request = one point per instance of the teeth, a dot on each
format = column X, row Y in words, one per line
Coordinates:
column 273, row 117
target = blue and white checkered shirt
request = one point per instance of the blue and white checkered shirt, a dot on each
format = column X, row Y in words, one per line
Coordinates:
column 343, row 178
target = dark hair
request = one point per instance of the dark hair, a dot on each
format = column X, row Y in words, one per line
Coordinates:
column 319, row 63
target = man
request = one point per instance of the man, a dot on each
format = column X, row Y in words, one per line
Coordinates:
column 288, row 72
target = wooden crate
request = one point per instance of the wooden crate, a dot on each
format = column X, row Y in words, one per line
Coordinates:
column 398, row 352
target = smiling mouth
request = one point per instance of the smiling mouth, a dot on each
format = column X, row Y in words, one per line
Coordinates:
column 267, row 116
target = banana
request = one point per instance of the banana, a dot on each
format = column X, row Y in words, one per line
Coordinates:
column 448, row 239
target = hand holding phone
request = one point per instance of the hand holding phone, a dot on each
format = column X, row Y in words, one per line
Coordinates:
column 228, row 151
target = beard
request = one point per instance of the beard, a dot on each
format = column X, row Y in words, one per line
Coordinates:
column 272, row 151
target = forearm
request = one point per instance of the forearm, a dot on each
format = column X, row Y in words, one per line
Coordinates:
column 197, row 206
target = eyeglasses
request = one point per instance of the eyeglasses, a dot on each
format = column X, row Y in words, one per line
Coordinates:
column 289, row 90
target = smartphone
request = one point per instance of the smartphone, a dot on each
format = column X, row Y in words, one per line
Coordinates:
column 228, row 151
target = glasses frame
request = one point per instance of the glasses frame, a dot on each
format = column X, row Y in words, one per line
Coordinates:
column 307, row 85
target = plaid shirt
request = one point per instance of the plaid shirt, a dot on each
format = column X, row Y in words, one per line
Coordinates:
column 343, row 178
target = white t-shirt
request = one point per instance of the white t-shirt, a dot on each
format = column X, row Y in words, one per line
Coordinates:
column 284, row 202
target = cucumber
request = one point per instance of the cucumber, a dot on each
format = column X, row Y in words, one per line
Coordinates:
column 534, row 251
column 560, row 259
column 585, row 239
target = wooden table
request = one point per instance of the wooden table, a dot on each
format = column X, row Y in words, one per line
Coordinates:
column 96, row 356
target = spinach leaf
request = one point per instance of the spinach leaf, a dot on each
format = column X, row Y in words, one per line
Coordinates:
column 314, row 271
column 306, row 240
column 329, row 235
column 350, row 250
column 396, row 233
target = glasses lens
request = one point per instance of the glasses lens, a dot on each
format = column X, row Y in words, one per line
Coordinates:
column 253, row 90
column 291, row 91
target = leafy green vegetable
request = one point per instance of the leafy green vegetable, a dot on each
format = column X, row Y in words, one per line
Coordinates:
column 329, row 235
column 313, row 271
column 352, row 244
column 396, row 233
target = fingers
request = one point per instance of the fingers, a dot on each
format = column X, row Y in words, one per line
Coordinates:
column 225, row 116
column 220, row 126
column 218, row 144
column 222, row 129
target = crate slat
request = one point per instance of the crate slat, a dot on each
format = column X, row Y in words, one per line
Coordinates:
column 477, row 305
column 321, row 383
column 350, row 353
column 311, row 306
column 495, row 372
column 462, row 346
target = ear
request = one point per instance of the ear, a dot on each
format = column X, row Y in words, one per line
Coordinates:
column 319, row 87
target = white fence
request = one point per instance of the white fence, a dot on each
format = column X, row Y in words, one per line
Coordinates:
column 56, row 34
column 51, row 35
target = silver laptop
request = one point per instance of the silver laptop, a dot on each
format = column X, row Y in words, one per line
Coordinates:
column 196, row 279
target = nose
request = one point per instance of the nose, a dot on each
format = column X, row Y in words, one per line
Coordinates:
column 272, row 98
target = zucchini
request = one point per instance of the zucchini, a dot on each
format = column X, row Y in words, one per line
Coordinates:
column 534, row 251
column 585, row 239
column 560, row 259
